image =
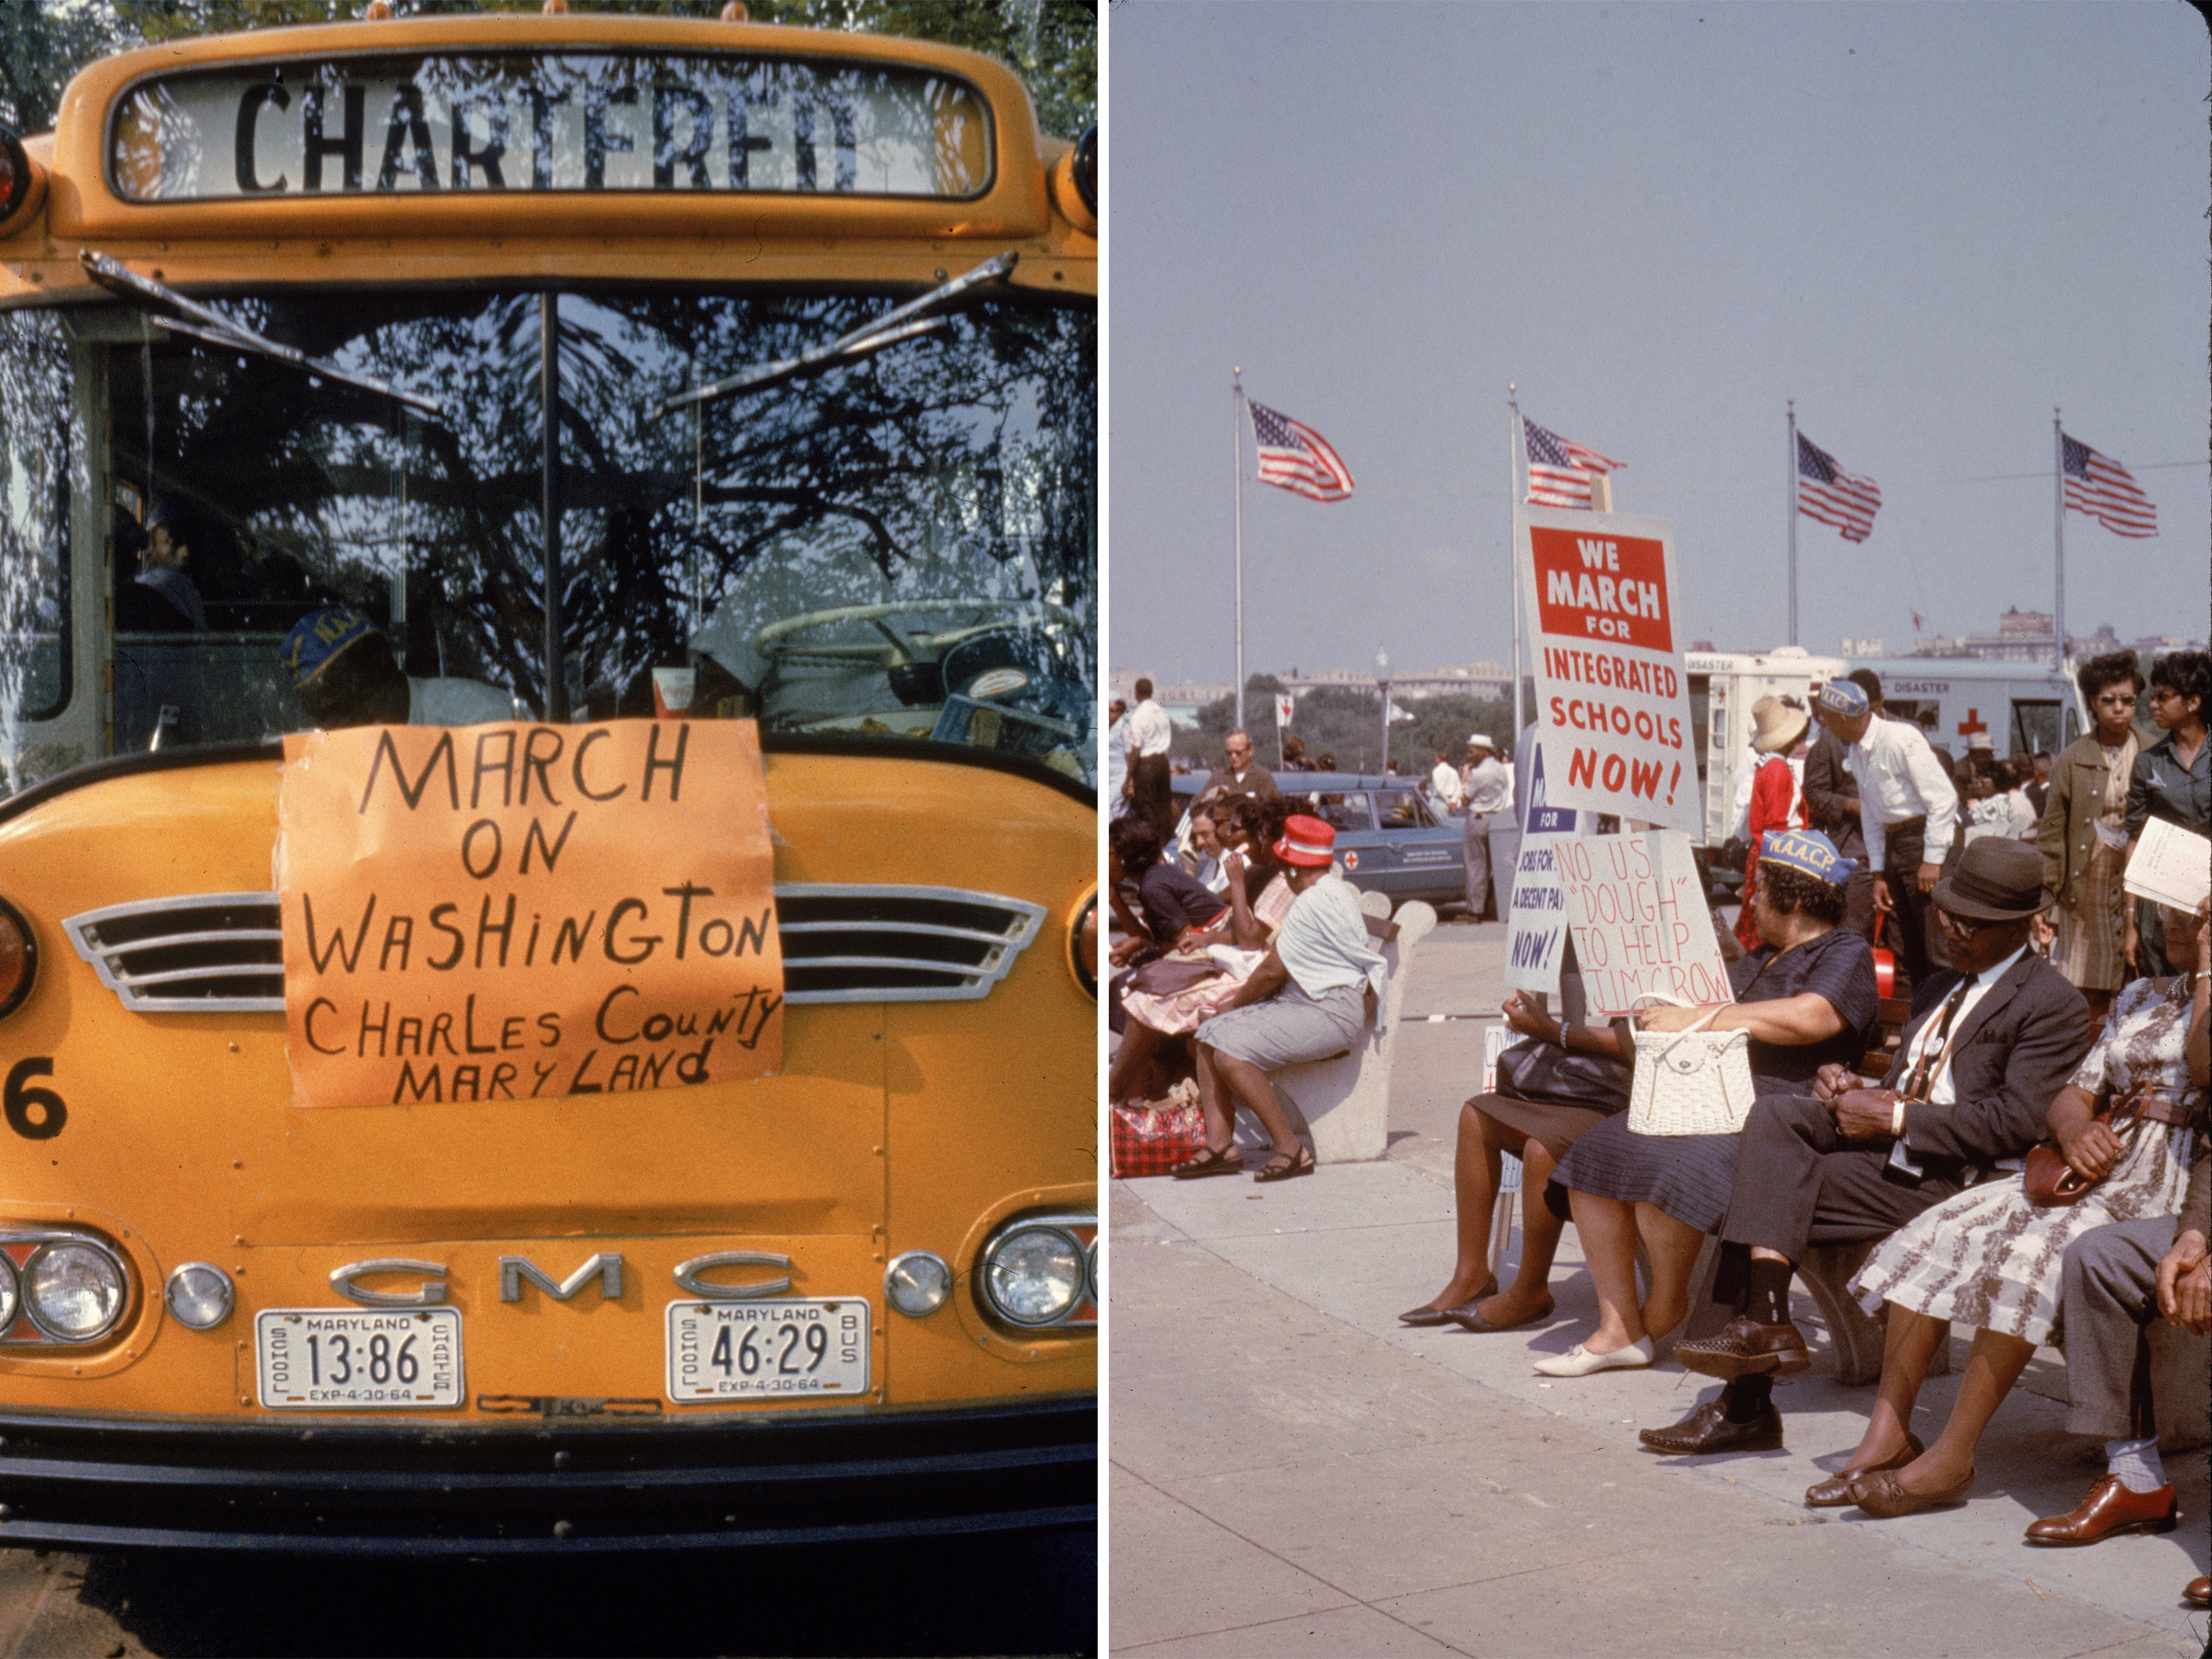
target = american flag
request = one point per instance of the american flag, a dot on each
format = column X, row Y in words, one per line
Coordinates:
column 1560, row 469
column 2100, row 485
column 1294, row 456
column 1825, row 491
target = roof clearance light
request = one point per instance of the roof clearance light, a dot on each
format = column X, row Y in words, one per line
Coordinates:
column 14, row 174
column 19, row 957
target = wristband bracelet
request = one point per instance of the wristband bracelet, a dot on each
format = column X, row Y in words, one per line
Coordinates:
column 1897, row 1118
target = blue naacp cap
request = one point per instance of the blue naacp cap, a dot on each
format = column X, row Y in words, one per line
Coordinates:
column 1807, row 852
column 317, row 638
column 1842, row 696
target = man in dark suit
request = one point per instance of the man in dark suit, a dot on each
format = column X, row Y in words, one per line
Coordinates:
column 1991, row 1043
column 1831, row 798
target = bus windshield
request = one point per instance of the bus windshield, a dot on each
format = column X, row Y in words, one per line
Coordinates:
column 900, row 542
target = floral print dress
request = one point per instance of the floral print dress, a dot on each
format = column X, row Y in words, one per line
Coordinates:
column 1989, row 1258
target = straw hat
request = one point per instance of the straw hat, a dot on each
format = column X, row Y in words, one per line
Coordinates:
column 1780, row 725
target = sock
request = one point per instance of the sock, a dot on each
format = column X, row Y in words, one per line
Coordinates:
column 1746, row 1397
column 2136, row 1463
column 1767, row 1292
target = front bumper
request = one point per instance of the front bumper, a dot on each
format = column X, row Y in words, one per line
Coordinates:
column 549, row 1485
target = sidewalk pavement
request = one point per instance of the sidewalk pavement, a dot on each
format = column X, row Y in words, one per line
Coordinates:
column 1294, row 1472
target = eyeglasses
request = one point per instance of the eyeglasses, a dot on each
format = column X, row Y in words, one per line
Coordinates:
column 1961, row 927
column 2119, row 699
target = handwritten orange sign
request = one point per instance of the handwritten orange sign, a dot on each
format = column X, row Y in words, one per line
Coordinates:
column 515, row 912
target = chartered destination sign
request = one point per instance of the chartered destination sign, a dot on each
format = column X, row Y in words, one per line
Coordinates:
column 483, row 122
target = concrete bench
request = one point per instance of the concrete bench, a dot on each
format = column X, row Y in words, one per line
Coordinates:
column 1341, row 1105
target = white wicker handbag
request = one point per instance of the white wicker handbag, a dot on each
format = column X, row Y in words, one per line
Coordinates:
column 1692, row 1081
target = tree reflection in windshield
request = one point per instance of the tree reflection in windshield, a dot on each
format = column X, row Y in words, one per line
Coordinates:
column 961, row 465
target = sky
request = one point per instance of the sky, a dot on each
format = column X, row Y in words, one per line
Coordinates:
column 1929, row 224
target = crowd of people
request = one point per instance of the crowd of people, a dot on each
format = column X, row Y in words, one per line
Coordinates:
column 2029, row 1162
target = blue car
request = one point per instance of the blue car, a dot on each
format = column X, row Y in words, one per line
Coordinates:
column 1390, row 838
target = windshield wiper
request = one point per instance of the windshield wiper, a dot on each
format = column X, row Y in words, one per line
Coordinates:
column 212, row 327
column 870, row 337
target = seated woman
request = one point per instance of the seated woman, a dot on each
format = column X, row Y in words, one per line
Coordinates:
column 1990, row 1258
column 1307, row 999
column 1203, row 858
column 1194, row 982
column 1808, row 997
column 1170, row 901
column 1539, row 1133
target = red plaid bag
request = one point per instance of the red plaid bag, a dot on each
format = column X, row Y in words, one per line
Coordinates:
column 1152, row 1139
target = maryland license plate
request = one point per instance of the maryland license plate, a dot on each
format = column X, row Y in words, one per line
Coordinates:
column 748, row 1350
column 333, row 1359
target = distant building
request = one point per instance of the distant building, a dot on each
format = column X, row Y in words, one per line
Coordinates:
column 2027, row 637
column 1859, row 648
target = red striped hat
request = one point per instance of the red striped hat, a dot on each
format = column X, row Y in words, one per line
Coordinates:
column 1307, row 841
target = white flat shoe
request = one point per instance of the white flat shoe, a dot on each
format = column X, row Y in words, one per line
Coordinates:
column 1579, row 1362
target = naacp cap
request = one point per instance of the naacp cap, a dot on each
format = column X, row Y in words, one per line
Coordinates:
column 317, row 639
column 1808, row 853
column 1841, row 696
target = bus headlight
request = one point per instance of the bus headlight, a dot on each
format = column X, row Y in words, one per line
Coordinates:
column 11, row 1293
column 19, row 957
column 917, row 1283
column 1033, row 1274
column 199, row 1296
column 76, row 1289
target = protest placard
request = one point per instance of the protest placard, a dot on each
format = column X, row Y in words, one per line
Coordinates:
column 514, row 912
column 1535, row 925
column 1637, row 910
column 1612, row 702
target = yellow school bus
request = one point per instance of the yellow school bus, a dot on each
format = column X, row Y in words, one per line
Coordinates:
column 579, row 370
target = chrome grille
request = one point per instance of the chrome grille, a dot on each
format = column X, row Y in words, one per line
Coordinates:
column 205, row 953
column 898, row 944
column 222, row 953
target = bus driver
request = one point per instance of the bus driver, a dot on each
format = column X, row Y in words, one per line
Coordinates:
column 346, row 674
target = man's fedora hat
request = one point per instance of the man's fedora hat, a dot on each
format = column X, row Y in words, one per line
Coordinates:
column 1996, row 879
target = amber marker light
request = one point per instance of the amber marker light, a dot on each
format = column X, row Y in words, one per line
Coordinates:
column 22, row 181
column 19, row 957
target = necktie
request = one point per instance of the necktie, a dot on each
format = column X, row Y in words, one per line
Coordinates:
column 1932, row 1050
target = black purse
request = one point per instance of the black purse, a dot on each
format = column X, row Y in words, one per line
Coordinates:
column 1551, row 1076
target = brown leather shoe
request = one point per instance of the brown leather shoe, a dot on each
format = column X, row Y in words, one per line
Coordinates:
column 1707, row 1430
column 1879, row 1494
column 2108, row 1508
column 1743, row 1347
column 1835, row 1492
column 2197, row 1591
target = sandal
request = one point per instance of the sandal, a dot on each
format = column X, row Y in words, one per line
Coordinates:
column 1288, row 1165
column 1209, row 1162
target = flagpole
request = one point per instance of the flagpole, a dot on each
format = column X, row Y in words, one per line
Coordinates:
column 2058, row 541
column 1512, row 551
column 1793, row 498
column 1236, row 433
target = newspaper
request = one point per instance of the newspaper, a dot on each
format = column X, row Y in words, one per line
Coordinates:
column 2171, row 866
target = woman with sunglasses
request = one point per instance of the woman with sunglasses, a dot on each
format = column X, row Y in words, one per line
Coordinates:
column 2172, row 780
column 2082, row 838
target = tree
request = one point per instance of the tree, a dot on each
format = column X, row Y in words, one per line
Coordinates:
column 42, row 43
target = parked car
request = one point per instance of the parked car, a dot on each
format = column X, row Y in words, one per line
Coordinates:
column 1389, row 837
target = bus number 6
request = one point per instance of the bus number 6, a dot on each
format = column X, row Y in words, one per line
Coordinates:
column 33, row 1113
